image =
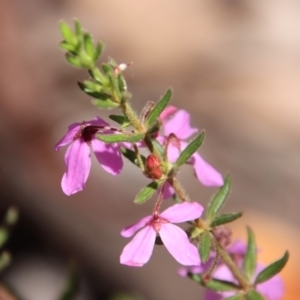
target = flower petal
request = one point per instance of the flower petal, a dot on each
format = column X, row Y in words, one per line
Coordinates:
column 108, row 155
column 180, row 125
column 169, row 191
column 130, row 230
column 68, row 137
column 205, row 173
column 178, row 244
column 212, row 295
column 137, row 252
column 168, row 111
column 78, row 162
column 182, row 212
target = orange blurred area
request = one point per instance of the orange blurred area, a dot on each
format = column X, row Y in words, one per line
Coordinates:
column 233, row 64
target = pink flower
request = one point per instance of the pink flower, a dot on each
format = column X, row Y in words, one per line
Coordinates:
column 179, row 125
column 137, row 252
column 78, row 157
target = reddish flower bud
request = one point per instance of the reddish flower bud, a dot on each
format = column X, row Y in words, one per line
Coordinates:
column 153, row 167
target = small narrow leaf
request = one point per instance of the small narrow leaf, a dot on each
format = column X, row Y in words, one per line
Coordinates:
column 204, row 246
column 131, row 156
column 254, row 295
column 122, row 120
column 117, row 138
column 98, row 50
column 68, row 47
column 122, row 83
column 218, row 200
column 88, row 45
column 225, row 218
column 190, row 149
column 272, row 269
column 107, row 69
column 73, row 60
column 147, row 192
column 105, row 103
column 78, row 28
column 235, row 297
column 67, row 33
column 249, row 264
column 214, row 284
column 159, row 107
column 159, row 148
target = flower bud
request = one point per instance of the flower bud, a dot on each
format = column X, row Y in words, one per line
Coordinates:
column 153, row 167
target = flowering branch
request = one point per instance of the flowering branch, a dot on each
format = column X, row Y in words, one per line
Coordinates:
column 229, row 270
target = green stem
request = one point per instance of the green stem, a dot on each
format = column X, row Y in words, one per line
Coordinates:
column 178, row 189
column 131, row 115
column 236, row 272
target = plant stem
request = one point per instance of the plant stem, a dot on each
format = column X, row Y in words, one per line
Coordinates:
column 236, row 272
column 178, row 189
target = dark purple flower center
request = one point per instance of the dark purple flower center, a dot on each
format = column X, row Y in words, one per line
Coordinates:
column 87, row 132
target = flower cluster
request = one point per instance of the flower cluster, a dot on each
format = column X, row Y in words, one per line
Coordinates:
column 165, row 131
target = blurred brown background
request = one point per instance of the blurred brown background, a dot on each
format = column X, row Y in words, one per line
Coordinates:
column 234, row 64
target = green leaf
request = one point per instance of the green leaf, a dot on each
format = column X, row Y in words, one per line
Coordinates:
column 122, row 83
column 190, row 149
column 73, row 60
column 272, row 269
column 254, row 295
column 65, row 46
column 71, row 289
column 107, row 69
column 214, row 284
column 78, row 28
column 249, row 263
column 147, row 191
column 67, row 33
column 159, row 107
column 98, row 50
column 105, row 103
column 88, row 45
column 91, row 86
column 218, row 200
column 131, row 156
column 98, row 76
column 225, row 218
column 122, row 120
column 117, row 138
column 159, row 148
column 204, row 246
column 235, row 297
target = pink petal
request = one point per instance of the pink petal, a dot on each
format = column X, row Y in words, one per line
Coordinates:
column 205, row 173
column 180, row 125
column 211, row 295
column 169, row 191
column 178, row 244
column 108, row 156
column 173, row 153
column 137, row 252
column 68, row 137
column 78, row 162
column 238, row 247
column 182, row 212
column 168, row 111
column 97, row 121
column 130, row 230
